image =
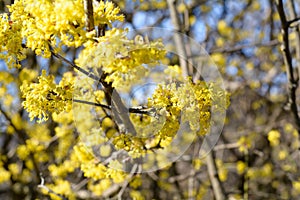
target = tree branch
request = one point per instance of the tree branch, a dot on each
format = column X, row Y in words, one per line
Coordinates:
column 89, row 17
column 292, row 82
column 73, row 65
column 241, row 47
column 92, row 103
column 137, row 110
column 214, row 177
column 226, row 146
column 292, row 9
column 180, row 47
column 293, row 20
column 120, row 112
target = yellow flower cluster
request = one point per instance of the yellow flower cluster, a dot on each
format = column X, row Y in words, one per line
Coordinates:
column 174, row 104
column 296, row 186
column 266, row 171
column 38, row 23
column 45, row 96
column 63, row 169
column 244, row 144
column 11, row 50
column 273, row 137
column 120, row 57
column 98, row 187
column 191, row 101
column 61, row 187
column 5, row 175
column 106, row 13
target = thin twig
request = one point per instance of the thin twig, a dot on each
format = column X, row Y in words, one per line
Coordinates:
column 89, row 74
column 135, row 168
column 92, row 103
column 183, row 177
column 226, row 146
column 241, row 47
column 43, row 186
column 293, row 20
column 180, row 47
column 214, row 177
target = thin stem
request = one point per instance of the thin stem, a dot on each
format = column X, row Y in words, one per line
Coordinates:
column 293, row 20
column 137, row 110
column 43, row 186
column 180, row 47
column 74, row 65
column 292, row 9
column 92, row 103
column 135, row 169
column 214, row 177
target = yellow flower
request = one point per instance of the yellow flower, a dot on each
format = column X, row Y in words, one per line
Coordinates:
column 136, row 195
column 105, row 150
column 240, row 167
column 273, row 137
column 244, row 144
column 282, row 154
column 136, row 182
column 62, row 187
column 5, row 175
column 296, row 186
column 45, row 96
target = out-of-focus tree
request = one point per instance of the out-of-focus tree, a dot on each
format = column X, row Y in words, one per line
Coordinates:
column 255, row 44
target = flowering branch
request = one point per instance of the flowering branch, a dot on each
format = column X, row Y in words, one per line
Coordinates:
column 121, row 116
column 43, row 186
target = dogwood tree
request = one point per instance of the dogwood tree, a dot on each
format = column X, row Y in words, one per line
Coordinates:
column 97, row 104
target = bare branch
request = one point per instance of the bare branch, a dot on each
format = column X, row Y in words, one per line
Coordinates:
column 292, row 10
column 73, row 65
column 296, row 19
column 226, row 146
column 214, row 177
column 89, row 17
column 241, row 47
column 136, row 168
column 137, row 110
column 180, row 47
column 92, row 103
column 292, row 82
